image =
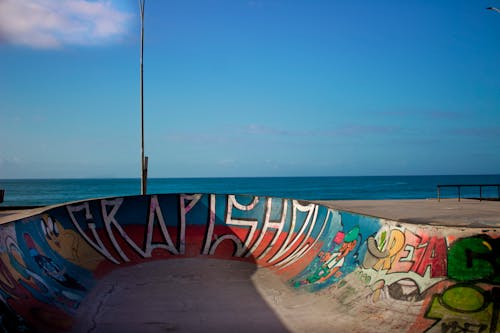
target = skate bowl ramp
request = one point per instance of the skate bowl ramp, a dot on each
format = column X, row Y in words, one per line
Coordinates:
column 226, row 263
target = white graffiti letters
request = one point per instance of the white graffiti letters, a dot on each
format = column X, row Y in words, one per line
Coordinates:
column 109, row 209
column 256, row 232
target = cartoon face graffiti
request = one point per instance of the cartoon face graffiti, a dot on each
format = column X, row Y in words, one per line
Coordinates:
column 69, row 244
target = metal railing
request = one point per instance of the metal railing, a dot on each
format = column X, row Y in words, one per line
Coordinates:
column 459, row 187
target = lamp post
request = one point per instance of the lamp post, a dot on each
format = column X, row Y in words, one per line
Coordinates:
column 144, row 159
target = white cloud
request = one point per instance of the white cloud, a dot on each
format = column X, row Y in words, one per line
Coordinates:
column 54, row 23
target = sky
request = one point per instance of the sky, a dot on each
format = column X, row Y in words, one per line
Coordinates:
column 237, row 88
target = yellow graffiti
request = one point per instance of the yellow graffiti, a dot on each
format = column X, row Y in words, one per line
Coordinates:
column 69, row 244
column 485, row 243
column 394, row 245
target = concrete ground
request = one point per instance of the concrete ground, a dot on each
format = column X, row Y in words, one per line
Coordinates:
column 447, row 212
column 198, row 295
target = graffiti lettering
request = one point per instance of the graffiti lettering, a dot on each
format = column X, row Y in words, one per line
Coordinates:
column 90, row 224
column 465, row 308
column 455, row 327
column 383, row 259
column 242, row 248
column 433, row 257
column 254, row 243
column 289, row 243
column 292, row 248
column 110, row 222
column 475, row 259
column 405, row 252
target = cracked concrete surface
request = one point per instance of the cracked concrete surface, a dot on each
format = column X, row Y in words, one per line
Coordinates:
column 181, row 295
column 99, row 308
column 210, row 295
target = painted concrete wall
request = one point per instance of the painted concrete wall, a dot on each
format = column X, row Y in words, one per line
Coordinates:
column 50, row 261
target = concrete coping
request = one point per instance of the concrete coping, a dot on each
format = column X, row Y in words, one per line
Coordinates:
column 446, row 212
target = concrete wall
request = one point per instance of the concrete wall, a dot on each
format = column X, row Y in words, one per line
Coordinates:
column 449, row 277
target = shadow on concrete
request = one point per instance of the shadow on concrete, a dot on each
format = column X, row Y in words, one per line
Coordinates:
column 178, row 295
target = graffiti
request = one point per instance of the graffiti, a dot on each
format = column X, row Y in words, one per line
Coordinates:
column 45, row 278
column 49, row 262
column 404, row 251
column 295, row 243
column 455, row 327
column 9, row 253
column 49, row 267
column 332, row 260
column 340, row 254
column 406, row 290
column 403, row 265
column 465, row 308
column 253, row 220
column 381, row 255
column 29, row 274
column 69, row 244
column 109, row 221
column 475, row 259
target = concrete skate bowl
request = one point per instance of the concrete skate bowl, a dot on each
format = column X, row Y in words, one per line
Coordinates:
column 221, row 263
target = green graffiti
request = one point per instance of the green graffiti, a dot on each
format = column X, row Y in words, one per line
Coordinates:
column 474, row 259
column 319, row 274
column 382, row 240
column 463, row 299
column 464, row 306
column 332, row 262
column 352, row 235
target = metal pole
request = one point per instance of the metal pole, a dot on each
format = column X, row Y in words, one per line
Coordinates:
column 143, row 159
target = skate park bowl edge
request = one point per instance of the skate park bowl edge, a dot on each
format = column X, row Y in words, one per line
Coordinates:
column 221, row 262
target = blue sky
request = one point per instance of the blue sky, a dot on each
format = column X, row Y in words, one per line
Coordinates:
column 249, row 88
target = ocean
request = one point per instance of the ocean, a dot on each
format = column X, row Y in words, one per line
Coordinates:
column 40, row 192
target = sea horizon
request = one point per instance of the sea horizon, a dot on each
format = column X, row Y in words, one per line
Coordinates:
column 48, row 191
column 252, row 177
